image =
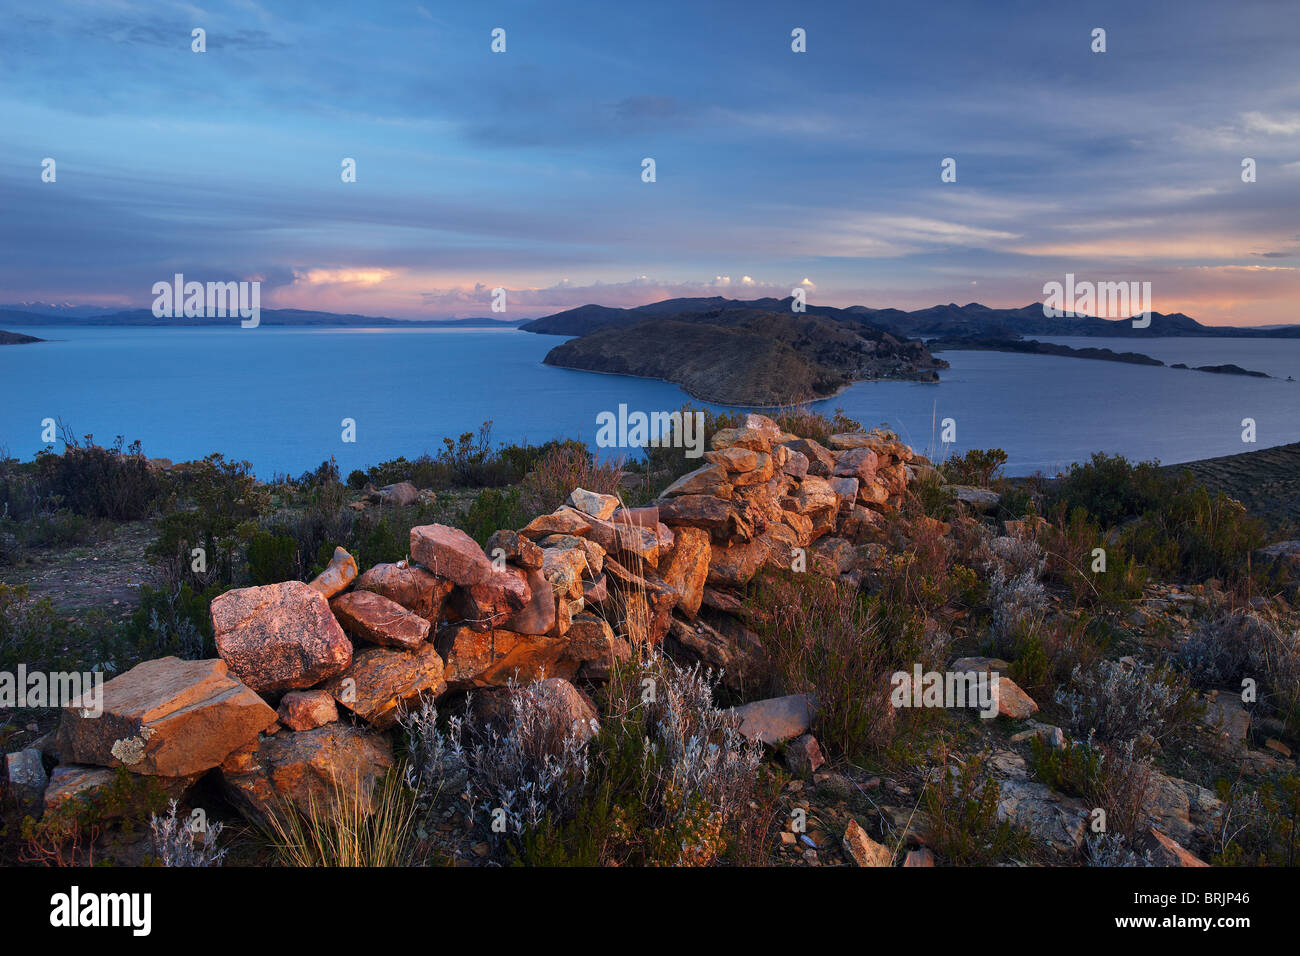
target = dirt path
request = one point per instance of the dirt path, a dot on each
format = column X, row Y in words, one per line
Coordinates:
column 105, row 574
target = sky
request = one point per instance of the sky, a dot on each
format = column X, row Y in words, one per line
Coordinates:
column 523, row 169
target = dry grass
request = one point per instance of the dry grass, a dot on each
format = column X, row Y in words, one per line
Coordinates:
column 347, row 829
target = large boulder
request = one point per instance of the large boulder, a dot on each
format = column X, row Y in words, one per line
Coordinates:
column 279, row 636
column 563, row 521
column 450, row 553
column 165, row 717
column 494, row 658
column 381, row 683
column 306, row 770
column 409, row 585
column 726, row 521
column 375, row 619
column 859, row 463
column 821, row 463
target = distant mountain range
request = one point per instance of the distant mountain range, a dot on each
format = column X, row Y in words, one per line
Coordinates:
column 947, row 321
column 52, row 316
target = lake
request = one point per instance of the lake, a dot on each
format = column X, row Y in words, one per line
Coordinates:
column 277, row 397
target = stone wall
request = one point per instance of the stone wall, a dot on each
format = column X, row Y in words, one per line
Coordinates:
column 312, row 677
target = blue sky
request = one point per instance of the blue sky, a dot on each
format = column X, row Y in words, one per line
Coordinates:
column 774, row 168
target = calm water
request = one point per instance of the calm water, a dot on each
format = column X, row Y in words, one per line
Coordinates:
column 277, row 396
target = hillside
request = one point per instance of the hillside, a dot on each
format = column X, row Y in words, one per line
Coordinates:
column 749, row 356
column 17, row 338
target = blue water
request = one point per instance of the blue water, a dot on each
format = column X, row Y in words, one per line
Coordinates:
column 277, row 397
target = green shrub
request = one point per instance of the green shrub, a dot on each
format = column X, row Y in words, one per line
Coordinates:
column 491, row 511
column 961, row 804
column 976, row 467
column 99, row 482
column 272, row 558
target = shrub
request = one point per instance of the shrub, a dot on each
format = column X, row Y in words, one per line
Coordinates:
column 492, row 510
column 561, row 469
column 825, row 641
column 272, row 558
column 174, row 843
column 961, row 802
column 977, row 467
column 1225, row 649
column 1109, row 488
column 172, row 620
column 666, row 780
column 1114, row 779
column 1121, row 703
column 102, row 482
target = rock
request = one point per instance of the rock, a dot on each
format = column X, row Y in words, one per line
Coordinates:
column 1168, row 852
column 726, row 521
column 401, row 494
column 341, row 571
column 863, row 850
column 279, row 636
column 983, row 665
column 565, row 569
column 307, row 709
column 821, row 463
column 591, row 643
column 490, row 603
column 1275, row 745
column 686, row 567
column 837, row 553
column 538, row 616
column 1228, row 721
column 647, row 602
column 515, row 548
column 1186, row 812
column 1284, row 555
column 72, row 781
column 27, row 780
column 709, row 479
column 1012, row 701
column 627, row 541
column 450, row 553
column 732, row 649
column 594, row 592
column 311, row 768
column 803, row 755
column 921, row 857
column 859, row 463
column 593, row 503
column 381, row 683
column 763, row 426
column 411, row 586
column 721, row 601
column 735, row 460
column 733, row 567
column 1051, row 818
column 755, row 439
column 814, row 494
column 979, row 500
column 166, row 717
column 776, row 719
column 762, row 472
column 570, row 708
column 1053, row 737
column 493, row 658
column 796, row 463
column 372, row 617
column 563, row 521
